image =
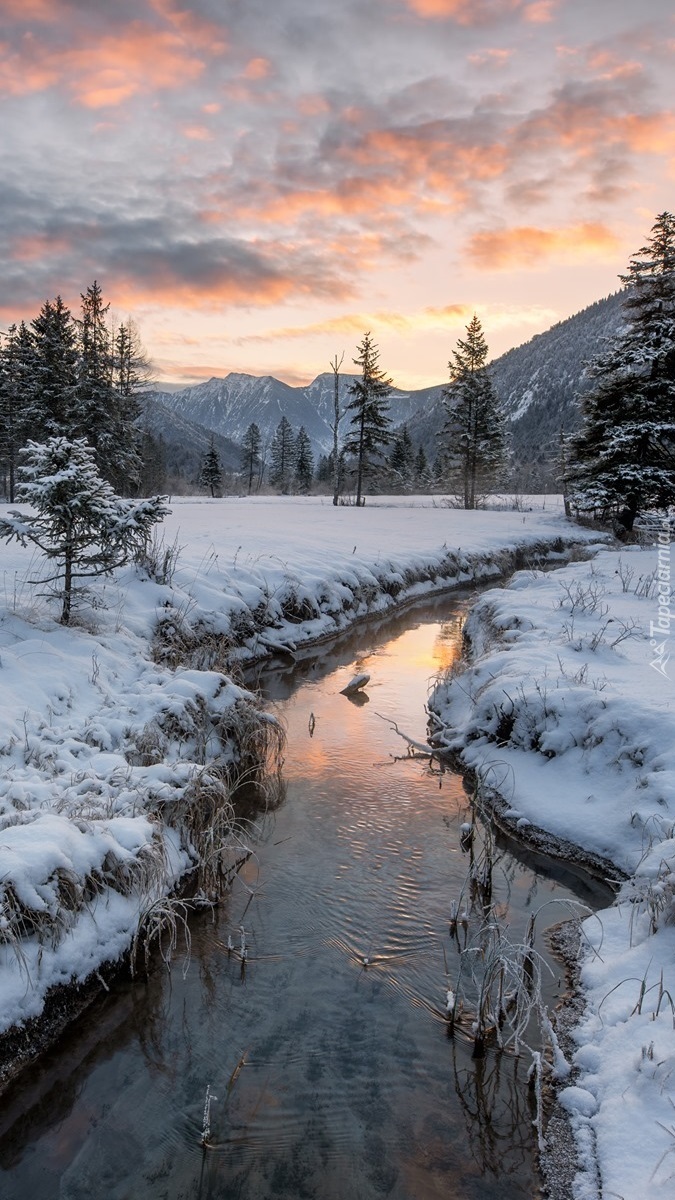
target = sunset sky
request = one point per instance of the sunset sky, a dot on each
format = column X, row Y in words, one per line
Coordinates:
column 258, row 182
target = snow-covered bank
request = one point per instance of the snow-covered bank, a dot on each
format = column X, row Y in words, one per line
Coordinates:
column 106, row 752
column 565, row 708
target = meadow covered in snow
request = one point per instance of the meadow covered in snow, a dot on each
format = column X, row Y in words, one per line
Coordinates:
column 565, row 708
column 116, row 730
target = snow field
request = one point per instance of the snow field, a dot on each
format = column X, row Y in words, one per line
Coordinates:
column 563, row 710
column 108, row 726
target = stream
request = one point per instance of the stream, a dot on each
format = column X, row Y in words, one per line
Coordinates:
column 327, row 1052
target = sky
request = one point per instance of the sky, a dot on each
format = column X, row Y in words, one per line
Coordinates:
column 257, row 183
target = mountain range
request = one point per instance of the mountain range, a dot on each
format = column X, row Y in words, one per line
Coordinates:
column 538, row 385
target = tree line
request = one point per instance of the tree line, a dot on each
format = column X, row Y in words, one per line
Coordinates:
column 472, row 453
column 74, row 377
column 78, row 378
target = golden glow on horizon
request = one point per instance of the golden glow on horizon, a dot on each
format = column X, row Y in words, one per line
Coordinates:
column 504, row 249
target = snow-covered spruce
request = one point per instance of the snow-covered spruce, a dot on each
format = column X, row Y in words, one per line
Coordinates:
column 563, row 712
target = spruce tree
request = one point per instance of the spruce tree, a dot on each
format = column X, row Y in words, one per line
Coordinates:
column 473, row 440
column 53, row 393
column 211, row 474
column 401, row 460
column 154, row 470
column 132, row 372
column 369, row 429
column 250, row 454
column 422, row 473
column 282, row 457
column 76, row 519
column 107, row 410
column 16, row 382
column 623, row 458
column 304, row 462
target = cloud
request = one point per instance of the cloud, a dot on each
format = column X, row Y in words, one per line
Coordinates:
column 257, row 68
column 47, row 11
column 491, row 58
column 432, row 319
column 540, row 12
column 354, row 324
column 529, row 246
column 197, row 133
column 465, row 12
column 103, row 70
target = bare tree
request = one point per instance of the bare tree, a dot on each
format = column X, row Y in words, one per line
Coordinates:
column 335, row 424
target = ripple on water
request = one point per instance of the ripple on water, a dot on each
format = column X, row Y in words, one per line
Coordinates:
column 327, row 1051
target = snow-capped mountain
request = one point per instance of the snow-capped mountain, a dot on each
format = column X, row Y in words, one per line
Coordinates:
column 538, row 384
column 230, row 405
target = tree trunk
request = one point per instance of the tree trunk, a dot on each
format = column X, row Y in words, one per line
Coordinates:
column 335, row 367
column 359, row 473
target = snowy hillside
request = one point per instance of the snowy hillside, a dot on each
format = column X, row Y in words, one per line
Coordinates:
column 185, row 441
column 538, row 384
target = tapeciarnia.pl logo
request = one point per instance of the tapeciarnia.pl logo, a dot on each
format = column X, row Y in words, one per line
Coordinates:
column 664, row 596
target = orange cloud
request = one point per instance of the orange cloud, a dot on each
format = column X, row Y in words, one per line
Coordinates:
column 104, row 73
column 354, row 323
column 529, row 246
column 257, row 68
column 540, row 12
column 589, row 122
column 490, row 58
column 193, row 29
column 38, row 246
column 48, row 11
column 465, row 12
column 197, row 133
column 313, row 105
column 610, row 67
column 128, row 293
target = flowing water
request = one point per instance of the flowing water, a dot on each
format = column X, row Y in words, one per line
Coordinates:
column 326, row 1052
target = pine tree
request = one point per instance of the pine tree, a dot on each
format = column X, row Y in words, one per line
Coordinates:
column 623, row 458
column 52, row 402
column 77, row 521
column 154, row 471
column 132, row 372
column 107, row 410
column 282, row 457
column 370, row 424
column 16, row 381
column 473, row 441
column 211, row 474
column 401, row 460
column 304, row 462
column 250, row 454
column 324, row 469
column 132, row 369
column 422, row 473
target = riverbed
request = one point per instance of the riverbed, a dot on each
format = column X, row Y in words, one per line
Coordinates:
column 313, row 1004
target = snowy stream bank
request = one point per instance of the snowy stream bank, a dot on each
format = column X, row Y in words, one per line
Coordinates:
column 119, row 735
column 565, row 711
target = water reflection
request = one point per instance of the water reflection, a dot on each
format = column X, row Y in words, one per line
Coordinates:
column 326, row 1044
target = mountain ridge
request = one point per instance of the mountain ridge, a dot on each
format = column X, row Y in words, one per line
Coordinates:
column 537, row 383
